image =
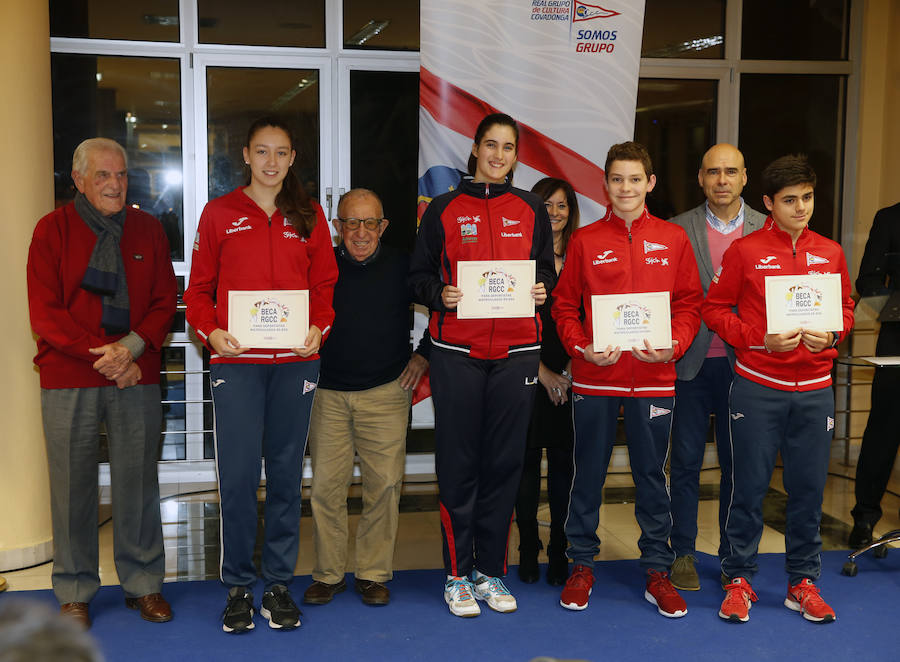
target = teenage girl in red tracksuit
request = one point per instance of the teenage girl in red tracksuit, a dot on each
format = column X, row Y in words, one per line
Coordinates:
column 265, row 236
column 483, row 371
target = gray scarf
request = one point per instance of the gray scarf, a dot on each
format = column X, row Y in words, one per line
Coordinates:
column 105, row 273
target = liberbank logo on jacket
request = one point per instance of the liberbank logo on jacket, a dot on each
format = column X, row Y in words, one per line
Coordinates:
column 604, row 258
column 766, row 263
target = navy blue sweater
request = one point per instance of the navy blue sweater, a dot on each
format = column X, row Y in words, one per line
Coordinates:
column 369, row 343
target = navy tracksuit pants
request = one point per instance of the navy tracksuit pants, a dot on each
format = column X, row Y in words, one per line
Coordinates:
column 799, row 425
column 647, row 426
column 695, row 400
column 481, row 414
column 261, row 410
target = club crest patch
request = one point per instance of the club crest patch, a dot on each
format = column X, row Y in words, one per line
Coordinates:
column 658, row 411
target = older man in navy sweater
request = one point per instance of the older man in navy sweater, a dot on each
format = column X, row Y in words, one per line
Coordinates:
column 362, row 405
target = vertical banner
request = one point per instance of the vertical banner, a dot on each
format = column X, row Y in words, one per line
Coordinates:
column 565, row 70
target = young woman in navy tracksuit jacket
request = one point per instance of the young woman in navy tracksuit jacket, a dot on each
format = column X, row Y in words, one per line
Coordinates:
column 265, row 236
column 483, row 371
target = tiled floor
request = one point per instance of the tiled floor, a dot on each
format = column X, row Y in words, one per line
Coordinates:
column 191, row 527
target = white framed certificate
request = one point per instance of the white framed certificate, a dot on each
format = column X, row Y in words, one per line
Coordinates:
column 626, row 320
column 270, row 319
column 808, row 301
column 495, row 288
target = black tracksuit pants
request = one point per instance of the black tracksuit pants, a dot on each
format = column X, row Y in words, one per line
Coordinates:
column 481, row 413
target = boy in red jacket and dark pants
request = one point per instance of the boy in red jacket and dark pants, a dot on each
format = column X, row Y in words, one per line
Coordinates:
column 781, row 398
column 626, row 251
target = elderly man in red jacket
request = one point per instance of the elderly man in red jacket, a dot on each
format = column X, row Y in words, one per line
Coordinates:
column 101, row 293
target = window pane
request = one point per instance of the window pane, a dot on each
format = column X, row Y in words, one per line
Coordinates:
column 136, row 102
column 684, row 29
column 262, row 23
column 384, row 153
column 148, row 20
column 385, row 25
column 236, row 97
column 171, row 386
column 813, row 125
column 209, row 419
column 778, row 30
column 676, row 120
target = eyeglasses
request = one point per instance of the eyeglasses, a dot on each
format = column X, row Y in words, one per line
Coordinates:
column 354, row 223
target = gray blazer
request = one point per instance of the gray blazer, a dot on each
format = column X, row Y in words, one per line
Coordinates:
column 694, row 223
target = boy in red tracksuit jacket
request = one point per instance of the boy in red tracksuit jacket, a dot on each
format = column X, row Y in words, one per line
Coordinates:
column 626, row 251
column 781, row 399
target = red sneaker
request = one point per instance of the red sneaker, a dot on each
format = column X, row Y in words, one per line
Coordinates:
column 804, row 597
column 736, row 605
column 661, row 593
column 578, row 588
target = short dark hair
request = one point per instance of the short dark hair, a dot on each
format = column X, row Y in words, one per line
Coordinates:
column 629, row 151
column 789, row 170
column 486, row 123
column 545, row 188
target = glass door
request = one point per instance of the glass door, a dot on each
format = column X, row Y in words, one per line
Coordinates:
column 230, row 92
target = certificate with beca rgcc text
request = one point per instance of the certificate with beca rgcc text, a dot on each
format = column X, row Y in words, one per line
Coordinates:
column 626, row 320
column 269, row 319
column 495, row 288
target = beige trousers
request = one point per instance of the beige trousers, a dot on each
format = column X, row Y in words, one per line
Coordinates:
column 371, row 424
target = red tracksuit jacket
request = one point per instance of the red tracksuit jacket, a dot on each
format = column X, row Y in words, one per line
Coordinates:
column 480, row 222
column 606, row 258
column 741, row 283
column 238, row 247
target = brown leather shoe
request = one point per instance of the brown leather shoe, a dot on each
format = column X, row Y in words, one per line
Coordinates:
column 373, row 593
column 77, row 612
column 154, row 607
column 320, row 593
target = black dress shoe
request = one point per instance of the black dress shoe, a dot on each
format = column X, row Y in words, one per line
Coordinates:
column 528, row 567
column 860, row 536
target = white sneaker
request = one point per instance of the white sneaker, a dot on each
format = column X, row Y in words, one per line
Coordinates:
column 458, row 594
column 494, row 592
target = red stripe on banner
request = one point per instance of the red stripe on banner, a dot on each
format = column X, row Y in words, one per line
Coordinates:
column 460, row 111
column 451, row 543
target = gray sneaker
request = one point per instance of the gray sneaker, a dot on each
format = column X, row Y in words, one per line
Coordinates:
column 684, row 575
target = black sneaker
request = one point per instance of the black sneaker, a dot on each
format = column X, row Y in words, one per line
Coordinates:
column 279, row 608
column 238, row 616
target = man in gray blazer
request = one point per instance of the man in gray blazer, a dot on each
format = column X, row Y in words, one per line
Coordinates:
column 705, row 370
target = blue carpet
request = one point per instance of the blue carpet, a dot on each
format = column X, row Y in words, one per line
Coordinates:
column 618, row 625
